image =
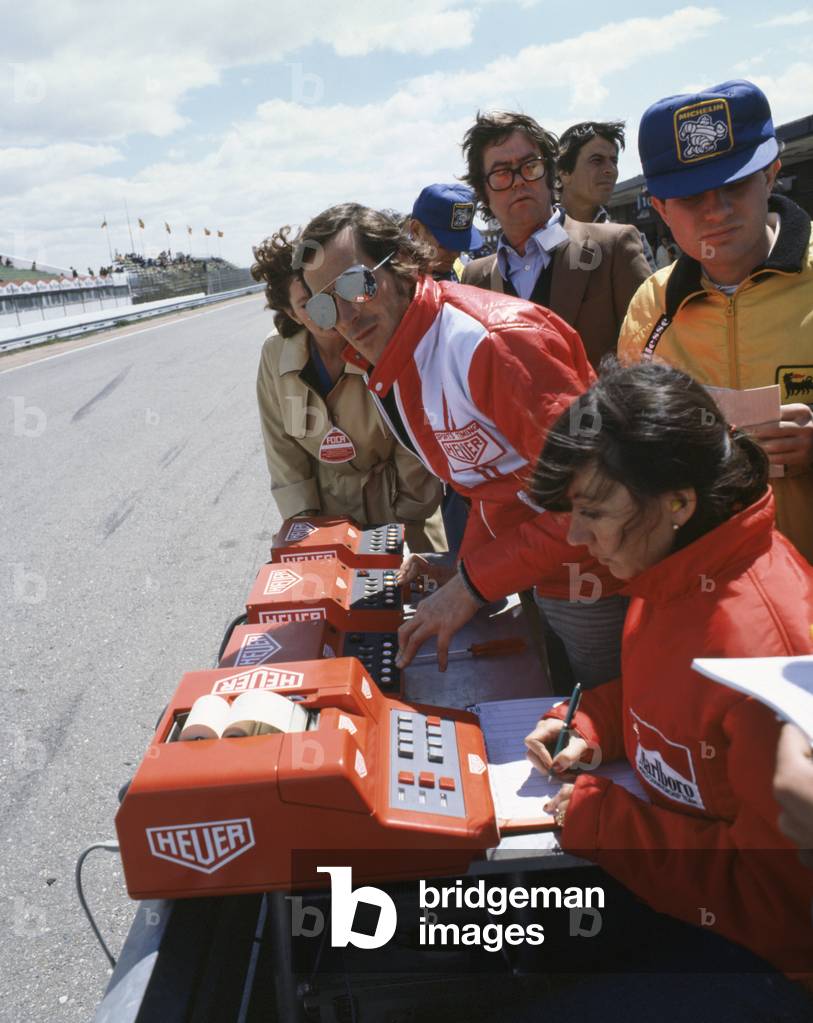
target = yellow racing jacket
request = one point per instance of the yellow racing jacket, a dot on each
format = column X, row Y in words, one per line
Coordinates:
column 760, row 335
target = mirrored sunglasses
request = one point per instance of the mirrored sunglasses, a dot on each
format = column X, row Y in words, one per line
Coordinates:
column 356, row 284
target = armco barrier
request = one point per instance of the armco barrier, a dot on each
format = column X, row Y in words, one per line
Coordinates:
column 118, row 317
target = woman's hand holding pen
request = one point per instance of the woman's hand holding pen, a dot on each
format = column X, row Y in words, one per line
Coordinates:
column 543, row 739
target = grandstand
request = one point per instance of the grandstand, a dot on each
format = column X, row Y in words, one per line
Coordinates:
column 167, row 276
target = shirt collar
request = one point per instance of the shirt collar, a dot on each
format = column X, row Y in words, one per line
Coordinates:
column 545, row 239
column 295, row 355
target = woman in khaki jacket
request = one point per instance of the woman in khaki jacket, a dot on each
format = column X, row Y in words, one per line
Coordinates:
column 328, row 450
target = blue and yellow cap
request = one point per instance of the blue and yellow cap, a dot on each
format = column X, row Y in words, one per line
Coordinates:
column 694, row 142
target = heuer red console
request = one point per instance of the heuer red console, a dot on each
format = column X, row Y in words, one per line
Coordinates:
column 397, row 789
column 251, row 645
column 326, row 539
column 350, row 599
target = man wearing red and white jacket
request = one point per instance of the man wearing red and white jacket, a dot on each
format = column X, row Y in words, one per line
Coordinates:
column 470, row 381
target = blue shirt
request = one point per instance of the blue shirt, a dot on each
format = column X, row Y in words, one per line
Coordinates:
column 523, row 271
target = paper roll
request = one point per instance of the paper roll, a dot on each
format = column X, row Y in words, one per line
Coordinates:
column 261, row 712
column 206, row 719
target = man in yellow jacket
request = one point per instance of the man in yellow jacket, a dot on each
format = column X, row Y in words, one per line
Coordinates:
column 736, row 309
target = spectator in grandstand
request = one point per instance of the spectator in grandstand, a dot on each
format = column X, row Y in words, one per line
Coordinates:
column 677, row 504
column 734, row 310
column 469, row 381
column 328, row 449
column 587, row 273
column 443, row 219
column 793, row 789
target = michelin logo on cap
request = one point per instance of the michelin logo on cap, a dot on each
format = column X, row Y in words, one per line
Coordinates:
column 462, row 216
column 703, row 130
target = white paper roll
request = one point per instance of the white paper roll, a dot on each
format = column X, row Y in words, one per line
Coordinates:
column 206, row 719
column 259, row 712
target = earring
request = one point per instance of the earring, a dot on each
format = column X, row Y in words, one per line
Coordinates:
column 675, row 526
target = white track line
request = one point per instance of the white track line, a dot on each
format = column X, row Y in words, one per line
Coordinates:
column 121, row 337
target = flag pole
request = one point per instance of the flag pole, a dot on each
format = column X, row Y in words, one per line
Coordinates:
column 129, row 227
column 107, row 235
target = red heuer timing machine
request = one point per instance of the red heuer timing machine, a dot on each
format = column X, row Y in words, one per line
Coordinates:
column 358, row 770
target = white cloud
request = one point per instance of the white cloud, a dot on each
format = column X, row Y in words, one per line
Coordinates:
column 104, row 76
column 785, row 20
column 580, row 64
column 25, row 168
column 789, row 92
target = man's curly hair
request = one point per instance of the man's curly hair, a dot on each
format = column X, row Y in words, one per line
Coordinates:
column 275, row 266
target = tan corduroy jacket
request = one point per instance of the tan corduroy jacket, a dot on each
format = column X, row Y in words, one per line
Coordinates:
column 380, row 482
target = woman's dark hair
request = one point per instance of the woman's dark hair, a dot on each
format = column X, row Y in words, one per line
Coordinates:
column 274, row 265
column 378, row 234
column 652, row 429
column 493, row 128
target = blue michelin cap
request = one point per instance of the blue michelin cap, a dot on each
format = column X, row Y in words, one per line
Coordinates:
column 695, row 142
column 448, row 212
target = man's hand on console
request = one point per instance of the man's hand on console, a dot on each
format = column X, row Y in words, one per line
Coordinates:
column 441, row 615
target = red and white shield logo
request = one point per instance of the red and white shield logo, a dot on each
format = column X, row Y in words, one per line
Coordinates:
column 336, row 446
column 470, row 446
column 206, row 846
column 279, row 580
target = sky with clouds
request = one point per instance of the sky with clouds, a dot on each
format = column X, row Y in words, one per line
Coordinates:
column 242, row 117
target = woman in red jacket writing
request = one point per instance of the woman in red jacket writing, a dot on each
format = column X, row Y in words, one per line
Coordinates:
column 662, row 491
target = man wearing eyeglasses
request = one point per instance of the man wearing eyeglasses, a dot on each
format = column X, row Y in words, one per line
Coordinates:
column 587, row 273
column 470, row 382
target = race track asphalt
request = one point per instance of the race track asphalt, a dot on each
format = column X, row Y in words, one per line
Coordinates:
column 134, row 515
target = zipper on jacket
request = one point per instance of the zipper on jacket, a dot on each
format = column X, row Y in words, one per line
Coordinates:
column 731, row 338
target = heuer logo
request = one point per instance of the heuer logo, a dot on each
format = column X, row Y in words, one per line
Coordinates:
column 279, row 580
column 205, row 847
column 260, row 678
column 470, row 446
column 256, row 648
column 299, row 530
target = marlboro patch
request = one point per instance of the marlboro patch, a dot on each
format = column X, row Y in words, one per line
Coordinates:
column 665, row 765
column 336, row 447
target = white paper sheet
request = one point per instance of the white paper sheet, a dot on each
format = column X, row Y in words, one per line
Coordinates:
column 518, row 789
column 785, row 684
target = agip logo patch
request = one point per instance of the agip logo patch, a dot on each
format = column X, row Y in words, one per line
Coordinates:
column 796, row 384
column 703, row 130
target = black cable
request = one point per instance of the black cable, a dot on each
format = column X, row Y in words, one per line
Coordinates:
column 241, row 619
column 110, row 846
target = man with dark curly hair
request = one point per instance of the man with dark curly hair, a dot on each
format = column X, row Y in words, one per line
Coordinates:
column 586, row 273
column 328, row 450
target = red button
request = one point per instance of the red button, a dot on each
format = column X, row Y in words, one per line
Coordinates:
column 433, row 720
column 406, row 778
column 426, row 779
column 447, row 783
